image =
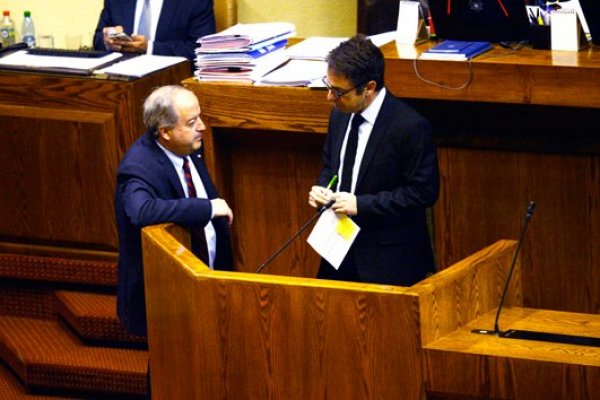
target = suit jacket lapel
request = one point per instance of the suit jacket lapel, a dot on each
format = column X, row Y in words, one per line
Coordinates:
column 166, row 164
column 167, row 13
column 341, row 128
column 378, row 132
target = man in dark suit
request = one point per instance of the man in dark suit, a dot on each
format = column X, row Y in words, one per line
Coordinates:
column 162, row 178
column 168, row 27
column 389, row 176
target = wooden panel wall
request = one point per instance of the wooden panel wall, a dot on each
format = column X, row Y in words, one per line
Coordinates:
column 263, row 149
column 561, row 246
column 267, row 183
column 47, row 204
column 63, row 138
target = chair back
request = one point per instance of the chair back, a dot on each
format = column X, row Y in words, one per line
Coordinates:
column 225, row 13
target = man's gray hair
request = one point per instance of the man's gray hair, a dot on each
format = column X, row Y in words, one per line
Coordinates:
column 158, row 108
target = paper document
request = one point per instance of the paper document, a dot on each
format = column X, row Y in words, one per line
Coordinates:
column 141, row 65
column 383, row 38
column 314, row 48
column 332, row 237
column 296, row 73
column 257, row 69
column 37, row 62
column 241, row 36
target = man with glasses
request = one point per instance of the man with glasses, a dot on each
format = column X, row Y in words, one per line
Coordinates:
column 383, row 152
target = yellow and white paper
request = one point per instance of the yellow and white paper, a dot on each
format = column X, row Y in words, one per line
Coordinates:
column 332, row 237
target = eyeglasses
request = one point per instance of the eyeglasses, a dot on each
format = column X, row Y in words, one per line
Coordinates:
column 337, row 93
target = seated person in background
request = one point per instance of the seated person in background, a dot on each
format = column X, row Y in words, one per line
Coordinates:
column 162, row 27
column 163, row 178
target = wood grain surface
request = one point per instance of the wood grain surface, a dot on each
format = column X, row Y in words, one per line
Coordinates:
column 63, row 138
column 235, row 335
column 525, row 128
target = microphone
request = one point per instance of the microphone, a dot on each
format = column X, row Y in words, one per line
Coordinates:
column 290, row 240
column 497, row 330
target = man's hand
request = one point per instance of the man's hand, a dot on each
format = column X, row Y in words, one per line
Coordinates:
column 137, row 44
column 221, row 209
column 345, row 203
column 110, row 42
column 319, row 196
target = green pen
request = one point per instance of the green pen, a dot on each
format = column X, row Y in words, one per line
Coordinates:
column 332, row 182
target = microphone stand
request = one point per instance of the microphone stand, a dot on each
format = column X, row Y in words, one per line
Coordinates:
column 497, row 330
column 533, row 335
column 290, row 240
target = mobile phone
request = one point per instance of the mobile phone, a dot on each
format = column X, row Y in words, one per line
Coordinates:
column 120, row 36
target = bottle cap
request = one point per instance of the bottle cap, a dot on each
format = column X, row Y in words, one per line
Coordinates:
column 6, row 13
column 27, row 14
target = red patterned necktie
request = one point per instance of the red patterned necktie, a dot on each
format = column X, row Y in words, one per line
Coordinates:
column 198, row 235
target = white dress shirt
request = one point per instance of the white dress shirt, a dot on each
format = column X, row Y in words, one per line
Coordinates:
column 209, row 229
column 364, row 133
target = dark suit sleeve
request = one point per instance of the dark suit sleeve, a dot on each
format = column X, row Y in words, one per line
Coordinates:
column 105, row 20
column 199, row 20
column 143, row 207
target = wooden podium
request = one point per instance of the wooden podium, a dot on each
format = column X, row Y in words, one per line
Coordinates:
column 237, row 335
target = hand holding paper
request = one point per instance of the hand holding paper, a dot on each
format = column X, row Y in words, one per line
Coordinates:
column 345, row 203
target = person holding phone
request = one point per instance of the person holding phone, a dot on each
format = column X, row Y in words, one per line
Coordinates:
column 162, row 27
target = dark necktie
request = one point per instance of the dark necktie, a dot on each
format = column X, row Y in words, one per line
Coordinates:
column 350, row 154
column 197, row 232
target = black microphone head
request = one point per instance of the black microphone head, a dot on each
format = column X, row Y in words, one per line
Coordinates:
column 530, row 208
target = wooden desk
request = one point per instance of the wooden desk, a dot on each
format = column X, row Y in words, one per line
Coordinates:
column 518, row 132
column 467, row 365
column 62, row 139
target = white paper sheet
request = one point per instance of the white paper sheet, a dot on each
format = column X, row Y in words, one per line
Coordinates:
column 296, row 73
column 314, row 48
column 326, row 239
column 140, row 66
column 23, row 59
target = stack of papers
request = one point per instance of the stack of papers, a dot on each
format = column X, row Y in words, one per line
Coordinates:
column 456, row 50
column 246, row 37
column 248, row 73
column 243, row 52
column 240, row 65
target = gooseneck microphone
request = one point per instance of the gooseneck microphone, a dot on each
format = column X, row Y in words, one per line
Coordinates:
column 306, row 225
column 497, row 330
column 290, row 240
